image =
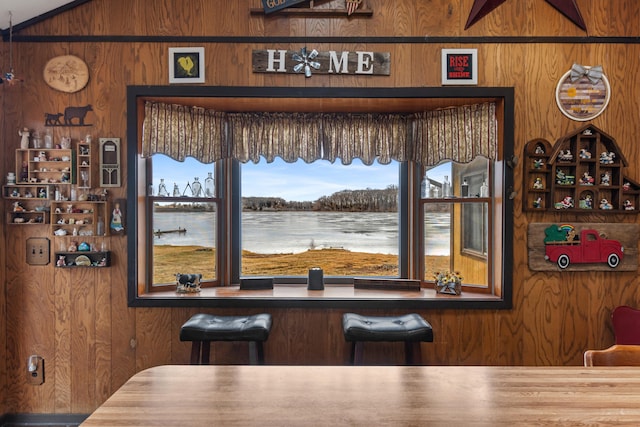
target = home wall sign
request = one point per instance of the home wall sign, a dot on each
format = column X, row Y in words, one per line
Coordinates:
column 312, row 61
column 459, row 66
column 583, row 92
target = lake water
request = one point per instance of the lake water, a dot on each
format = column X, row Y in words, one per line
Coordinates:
column 294, row 232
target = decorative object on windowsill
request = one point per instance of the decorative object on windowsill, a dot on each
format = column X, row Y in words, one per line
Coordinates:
column 196, row 187
column 316, row 279
column 188, row 283
column 448, row 282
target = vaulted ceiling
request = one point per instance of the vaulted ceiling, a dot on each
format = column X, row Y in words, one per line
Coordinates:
column 22, row 13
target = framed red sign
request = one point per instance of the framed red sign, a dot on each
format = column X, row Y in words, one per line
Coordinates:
column 459, row 66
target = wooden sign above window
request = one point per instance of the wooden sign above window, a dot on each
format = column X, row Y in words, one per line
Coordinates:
column 273, row 5
column 308, row 62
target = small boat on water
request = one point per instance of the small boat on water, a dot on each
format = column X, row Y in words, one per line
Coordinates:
column 177, row 230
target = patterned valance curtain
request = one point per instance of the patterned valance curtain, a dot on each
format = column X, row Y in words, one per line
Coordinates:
column 287, row 135
column 366, row 137
column 457, row 134
column 180, row 131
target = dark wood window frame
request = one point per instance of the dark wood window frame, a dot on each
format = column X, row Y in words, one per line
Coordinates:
column 333, row 99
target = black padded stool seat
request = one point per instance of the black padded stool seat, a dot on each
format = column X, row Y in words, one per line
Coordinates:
column 203, row 328
column 411, row 329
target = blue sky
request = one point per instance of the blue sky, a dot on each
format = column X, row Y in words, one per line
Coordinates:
column 292, row 181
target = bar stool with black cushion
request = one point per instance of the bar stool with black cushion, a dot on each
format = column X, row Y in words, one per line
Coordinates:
column 202, row 328
column 411, row 329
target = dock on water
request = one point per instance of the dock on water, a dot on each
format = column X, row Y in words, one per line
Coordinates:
column 177, row 230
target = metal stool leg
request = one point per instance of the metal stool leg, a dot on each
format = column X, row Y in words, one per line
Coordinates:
column 195, row 353
column 412, row 353
column 206, row 349
column 256, row 353
column 357, row 352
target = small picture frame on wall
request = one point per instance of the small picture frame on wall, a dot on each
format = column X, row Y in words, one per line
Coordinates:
column 186, row 65
column 459, row 66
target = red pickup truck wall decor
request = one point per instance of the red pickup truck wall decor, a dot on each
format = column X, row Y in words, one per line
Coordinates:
column 564, row 246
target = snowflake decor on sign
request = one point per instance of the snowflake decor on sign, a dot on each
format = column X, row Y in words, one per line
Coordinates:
column 305, row 61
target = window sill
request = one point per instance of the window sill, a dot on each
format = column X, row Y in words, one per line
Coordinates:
column 283, row 296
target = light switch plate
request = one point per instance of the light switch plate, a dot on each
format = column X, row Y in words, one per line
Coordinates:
column 38, row 251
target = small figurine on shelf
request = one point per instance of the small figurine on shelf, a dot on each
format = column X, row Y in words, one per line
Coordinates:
column 42, row 193
column 565, row 156
column 103, row 262
column 24, row 141
column 73, row 247
column 538, row 184
column 65, row 175
column 585, row 154
column 586, row 179
column 537, row 203
column 62, row 262
column 42, row 156
column 539, row 149
column 606, row 157
column 563, row 179
column 116, row 219
column 628, row 205
column 17, row 207
column 605, row 205
column 15, row 193
column 626, row 186
column 605, row 179
column 28, row 195
column 24, row 175
column 538, row 164
column 586, row 202
column 566, row 203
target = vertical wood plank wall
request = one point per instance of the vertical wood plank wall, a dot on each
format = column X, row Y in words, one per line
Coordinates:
column 79, row 319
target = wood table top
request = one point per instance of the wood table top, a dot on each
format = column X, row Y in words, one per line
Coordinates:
column 183, row 395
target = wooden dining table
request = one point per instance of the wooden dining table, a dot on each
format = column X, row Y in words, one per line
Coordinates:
column 179, row 395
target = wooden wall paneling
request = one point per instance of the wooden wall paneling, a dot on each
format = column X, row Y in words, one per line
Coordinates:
column 83, row 338
column 123, row 319
column 104, row 332
column 439, row 16
column 151, row 66
column 153, row 337
column 180, row 351
column 622, row 78
column 62, row 362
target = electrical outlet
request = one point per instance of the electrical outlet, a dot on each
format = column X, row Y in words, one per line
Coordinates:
column 35, row 370
column 38, row 251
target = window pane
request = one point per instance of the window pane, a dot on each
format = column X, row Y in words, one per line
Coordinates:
column 184, row 219
column 456, row 227
column 341, row 218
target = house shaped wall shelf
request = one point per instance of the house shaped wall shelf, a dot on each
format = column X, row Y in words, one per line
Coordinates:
column 581, row 173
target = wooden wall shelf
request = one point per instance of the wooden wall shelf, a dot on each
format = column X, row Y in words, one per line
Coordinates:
column 315, row 12
column 572, row 175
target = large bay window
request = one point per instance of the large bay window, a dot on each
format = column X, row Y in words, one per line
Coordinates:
column 232, row 192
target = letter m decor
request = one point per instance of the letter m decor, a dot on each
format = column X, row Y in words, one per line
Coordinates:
column 273, row 5
column 308, row 62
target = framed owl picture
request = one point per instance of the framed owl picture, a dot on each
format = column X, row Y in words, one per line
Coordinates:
column 186, row 65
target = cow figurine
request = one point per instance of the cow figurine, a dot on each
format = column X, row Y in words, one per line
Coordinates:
column 187, row 283
column 79, row 113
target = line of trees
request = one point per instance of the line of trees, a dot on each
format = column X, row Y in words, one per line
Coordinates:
column 368, row 200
